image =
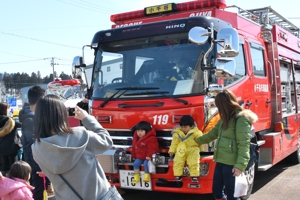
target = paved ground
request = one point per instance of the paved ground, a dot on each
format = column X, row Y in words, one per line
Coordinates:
column 278, row 183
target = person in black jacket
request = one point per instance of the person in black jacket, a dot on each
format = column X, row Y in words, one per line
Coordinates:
column 9, row 145
column 26, row 117
column 84, row 104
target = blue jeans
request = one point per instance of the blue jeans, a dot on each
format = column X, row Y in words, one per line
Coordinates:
column 223, row 182
column 138, row 162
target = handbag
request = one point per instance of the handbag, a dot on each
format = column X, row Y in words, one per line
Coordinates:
column 240, row 186
column 253, row 151
column 254, row 154
column 112, row 193
column 151, row 167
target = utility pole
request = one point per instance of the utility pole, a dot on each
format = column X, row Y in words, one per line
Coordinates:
column 52, row 64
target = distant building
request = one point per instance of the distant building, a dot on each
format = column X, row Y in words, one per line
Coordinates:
column 110, row 70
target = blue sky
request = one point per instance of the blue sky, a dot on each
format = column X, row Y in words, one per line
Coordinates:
column 34, row 31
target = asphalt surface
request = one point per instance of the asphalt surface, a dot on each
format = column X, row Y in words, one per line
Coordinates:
column 280, row 182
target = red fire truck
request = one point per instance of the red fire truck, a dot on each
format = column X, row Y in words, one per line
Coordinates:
column 165, row 61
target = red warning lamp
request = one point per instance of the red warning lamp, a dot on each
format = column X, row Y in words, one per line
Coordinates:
column 59, row 82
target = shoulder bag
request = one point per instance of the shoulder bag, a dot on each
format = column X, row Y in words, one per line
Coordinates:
column 63, row 178
column 112, row 193
column 254, row 151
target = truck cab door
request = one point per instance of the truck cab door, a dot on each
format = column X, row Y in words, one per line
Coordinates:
column 260, row 101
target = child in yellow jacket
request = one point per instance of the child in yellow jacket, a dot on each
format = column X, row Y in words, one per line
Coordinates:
column 185, row 148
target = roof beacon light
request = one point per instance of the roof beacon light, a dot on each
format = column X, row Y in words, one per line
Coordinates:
column 179, row 7
column 60, row 87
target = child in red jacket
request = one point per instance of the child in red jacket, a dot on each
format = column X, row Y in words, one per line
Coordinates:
column 16, row 186
column 144, row 144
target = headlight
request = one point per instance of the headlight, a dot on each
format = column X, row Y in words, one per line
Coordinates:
column 204, row 169
column 158, row 159
column 123, row 157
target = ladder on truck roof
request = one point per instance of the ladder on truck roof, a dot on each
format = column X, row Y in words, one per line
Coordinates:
column 268, row 16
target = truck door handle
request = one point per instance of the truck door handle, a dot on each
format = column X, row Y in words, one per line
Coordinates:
column 268, row 101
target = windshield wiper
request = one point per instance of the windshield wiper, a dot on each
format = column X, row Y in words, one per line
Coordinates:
column 137, row 88
column 125, row 90
column 159, row 92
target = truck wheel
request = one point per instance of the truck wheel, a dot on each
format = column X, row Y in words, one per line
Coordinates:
column 294, row 158
column 250, row 178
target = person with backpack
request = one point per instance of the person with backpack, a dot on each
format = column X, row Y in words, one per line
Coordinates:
column 10, row 142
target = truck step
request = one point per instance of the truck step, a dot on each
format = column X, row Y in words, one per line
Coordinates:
column 261, row 142
column 264, row 166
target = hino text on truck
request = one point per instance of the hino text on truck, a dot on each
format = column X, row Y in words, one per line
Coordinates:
column 165, row 61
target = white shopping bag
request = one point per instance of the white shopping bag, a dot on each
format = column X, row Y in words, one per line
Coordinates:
column 241, row 185
column 151, row 167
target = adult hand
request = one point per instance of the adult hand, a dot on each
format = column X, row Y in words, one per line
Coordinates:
column 236, row 171
column 80, row 113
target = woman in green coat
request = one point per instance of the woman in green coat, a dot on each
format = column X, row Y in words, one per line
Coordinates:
column 232, row 135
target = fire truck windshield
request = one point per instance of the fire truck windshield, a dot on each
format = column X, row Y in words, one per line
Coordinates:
column 169, row 63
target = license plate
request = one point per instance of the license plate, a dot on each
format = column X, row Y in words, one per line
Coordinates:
column 126, row 176
column 160, row 8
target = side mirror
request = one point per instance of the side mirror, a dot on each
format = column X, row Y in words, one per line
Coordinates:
column 76, row 66
column 198, row 35
column 228, row 40
column 214, row 89
column 78, row 62
column 225, row 68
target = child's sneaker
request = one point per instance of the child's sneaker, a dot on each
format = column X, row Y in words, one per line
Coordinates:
column 194, row 179
column 178, row 178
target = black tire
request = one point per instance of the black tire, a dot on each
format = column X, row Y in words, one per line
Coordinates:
column 250, row 177
column 294, row 158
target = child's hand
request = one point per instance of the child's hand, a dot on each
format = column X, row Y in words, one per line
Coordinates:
column 148, row 158
column 1, row 176
column 171, row 154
